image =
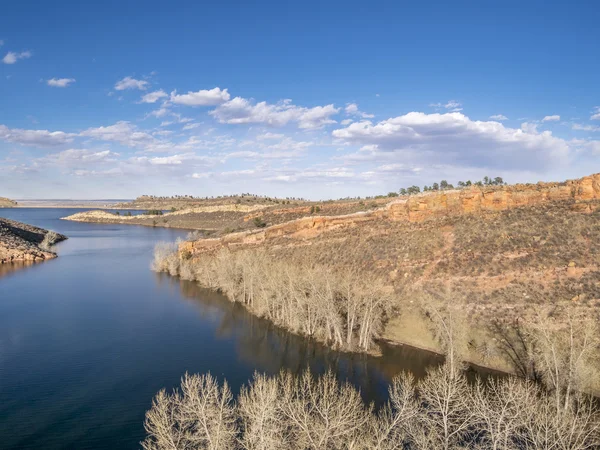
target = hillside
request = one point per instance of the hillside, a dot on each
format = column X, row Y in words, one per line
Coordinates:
column 7, row 203
column 498, row 255
column 22, row 242
column 217, row 217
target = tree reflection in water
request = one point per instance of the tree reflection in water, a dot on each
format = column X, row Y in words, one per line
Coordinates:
column 269, row 349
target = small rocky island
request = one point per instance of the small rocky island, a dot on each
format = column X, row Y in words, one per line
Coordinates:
column 22, row 242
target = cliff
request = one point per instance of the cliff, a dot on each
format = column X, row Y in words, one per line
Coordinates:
column 22, row 242
column 578, row 194
column 7, row 203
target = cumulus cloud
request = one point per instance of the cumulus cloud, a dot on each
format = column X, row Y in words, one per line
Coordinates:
column 554, row 118
column 453, row 138
column 529, row 127
column 13, row 57
column 60, row 82
column 37, row 138
column 131, row 83
column 242, row 111
column 153, row 97
column 352, row 110
column 499, row 117
column 122, row 132
column 211, row 97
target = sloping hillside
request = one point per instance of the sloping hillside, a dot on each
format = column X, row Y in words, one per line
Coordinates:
column 496, row 255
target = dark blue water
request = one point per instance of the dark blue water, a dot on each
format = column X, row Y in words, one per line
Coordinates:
column 87, row 339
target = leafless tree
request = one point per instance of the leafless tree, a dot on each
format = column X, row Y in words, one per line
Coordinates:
column 446, row 417
column 323, row 414
column 202, row 416
column 263, row 424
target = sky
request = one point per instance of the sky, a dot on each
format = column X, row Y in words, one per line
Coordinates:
column 313, row 99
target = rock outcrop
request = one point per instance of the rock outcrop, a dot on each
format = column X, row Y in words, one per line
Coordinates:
column 579, row 193
column 22, row 242
column 7, row 203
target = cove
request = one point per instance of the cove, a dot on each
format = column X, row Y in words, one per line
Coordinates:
column 87, row 339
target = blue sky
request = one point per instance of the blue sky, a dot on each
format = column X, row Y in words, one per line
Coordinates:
column 314, row 99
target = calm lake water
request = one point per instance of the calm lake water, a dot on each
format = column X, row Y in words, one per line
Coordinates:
column 87, row 339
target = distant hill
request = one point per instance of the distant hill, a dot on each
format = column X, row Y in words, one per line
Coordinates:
column 7, row 203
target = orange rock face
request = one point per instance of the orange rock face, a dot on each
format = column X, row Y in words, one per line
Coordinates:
column 421, row 207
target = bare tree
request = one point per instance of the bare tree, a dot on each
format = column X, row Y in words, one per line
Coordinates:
column 395, row 422
column 446, row 417
column 323, row 414
column 566, row 355
column 201, row 416
column 501, row 410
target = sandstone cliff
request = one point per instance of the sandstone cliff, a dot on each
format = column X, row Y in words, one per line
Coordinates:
column 22, row 242
column 578, row 193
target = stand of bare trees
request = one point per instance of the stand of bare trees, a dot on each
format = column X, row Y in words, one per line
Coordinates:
column 342, row 308
column 441, row 411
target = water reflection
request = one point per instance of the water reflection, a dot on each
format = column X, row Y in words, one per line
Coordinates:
column 11, row 267
column 260, row 344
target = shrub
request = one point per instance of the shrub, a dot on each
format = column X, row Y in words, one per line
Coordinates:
column 259, row 222
column 50, row 238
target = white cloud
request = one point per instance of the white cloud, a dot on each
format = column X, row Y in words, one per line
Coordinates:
column 580, row 127
column 451, row 105
column 79, row 157
column 38, row 138
column 499, row 117
column 268, row 135
column 241, row 111
column 453, row 138
column 153, row 97
column 346, row 122
column 60, row 82
column 554, row 118
column 122, row 132
column 190, row 126
column 13, row 57
column 352, row 110
column 596, row 113
column 529, row 127
column 210, row 97
column 131, row 83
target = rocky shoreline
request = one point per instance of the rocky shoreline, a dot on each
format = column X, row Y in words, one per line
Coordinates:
column 22, row 242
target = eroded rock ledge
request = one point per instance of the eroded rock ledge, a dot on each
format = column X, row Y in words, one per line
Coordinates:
column 22, row 242
column 581, row 192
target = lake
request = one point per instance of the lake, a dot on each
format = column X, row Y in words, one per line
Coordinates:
column 87, row 339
